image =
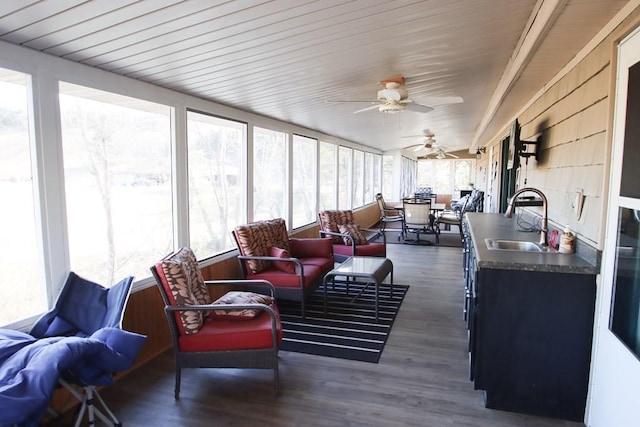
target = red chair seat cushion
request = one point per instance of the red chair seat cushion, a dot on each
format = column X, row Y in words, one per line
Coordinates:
column 280, row 279
column 372, row 249
column 222, row 334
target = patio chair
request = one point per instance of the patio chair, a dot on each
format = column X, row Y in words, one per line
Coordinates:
column 241, row 329
column 388, row 214
column 294, row 266
column 456, row 214
column 419, row 219
column 82, row 309
column 348, row 238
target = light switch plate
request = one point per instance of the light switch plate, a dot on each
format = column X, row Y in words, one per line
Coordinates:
column 578, row 201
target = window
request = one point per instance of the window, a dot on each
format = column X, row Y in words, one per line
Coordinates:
column 305, row 160
column 216, row 181
column 407, row 176
column 387, row 175
column 345, row 158
column 269, row 174
column 446, row 176
column 19, row 263
column 117, row 172
column 327, row 176
column 368, row 178
column 358, row 178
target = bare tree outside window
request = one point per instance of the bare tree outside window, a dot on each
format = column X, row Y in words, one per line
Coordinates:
column 269, row 174
column 304, row 180
column 117, row 168
column 20, row 278
column 358, row 178
column 328, row 175
column 216, row 184
column 345, row 164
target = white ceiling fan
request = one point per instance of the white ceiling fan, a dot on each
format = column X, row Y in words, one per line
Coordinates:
column 394, row 98
column 429, row 142
column 438, row 153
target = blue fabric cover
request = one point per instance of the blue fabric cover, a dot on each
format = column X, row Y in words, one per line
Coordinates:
column 83, row 307
column 30, row 367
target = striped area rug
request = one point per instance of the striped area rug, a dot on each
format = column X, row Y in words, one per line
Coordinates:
column 350, row 330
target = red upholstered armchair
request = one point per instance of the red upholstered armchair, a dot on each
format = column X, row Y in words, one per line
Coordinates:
column 295, row 267
column 348, row 238
column 241, row 329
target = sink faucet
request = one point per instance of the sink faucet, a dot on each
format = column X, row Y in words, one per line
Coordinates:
column 543, row 226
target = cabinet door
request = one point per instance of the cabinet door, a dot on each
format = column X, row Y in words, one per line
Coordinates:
column 532, row 345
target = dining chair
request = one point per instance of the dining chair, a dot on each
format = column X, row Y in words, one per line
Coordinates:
column 388, row 214
column 419, row 219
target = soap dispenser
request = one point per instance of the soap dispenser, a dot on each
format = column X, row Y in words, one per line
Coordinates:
column 567, row 242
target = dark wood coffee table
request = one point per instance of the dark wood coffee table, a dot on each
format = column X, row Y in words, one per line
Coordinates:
column 361, row 269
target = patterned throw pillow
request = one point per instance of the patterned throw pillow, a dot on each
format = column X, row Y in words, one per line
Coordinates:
column 332, row 219
column 198, row 288
column 179, row 282
column 241, row 297
column 354, row 231
column 287, row 267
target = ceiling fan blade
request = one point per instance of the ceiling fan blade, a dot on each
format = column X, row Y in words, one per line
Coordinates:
column 418, row 108
column 367, row 109
column 350, row 102
column 452, row 155
column 415, row 147
column 426, row 133
column 441, row 100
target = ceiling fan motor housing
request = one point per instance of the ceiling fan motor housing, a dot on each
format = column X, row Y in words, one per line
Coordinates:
column 392, row 91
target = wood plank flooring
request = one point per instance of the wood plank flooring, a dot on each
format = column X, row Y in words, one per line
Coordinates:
column 422, row 378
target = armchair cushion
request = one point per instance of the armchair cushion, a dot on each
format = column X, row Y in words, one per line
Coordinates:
column 224, row 334
column 256, row 239
column 241, row 297
column 287, row 267
column 179, row 291
column 330, row 220
column 311, row 247
column 372, row 249
column 196, row 281
column 312, row 274
column 354, row 231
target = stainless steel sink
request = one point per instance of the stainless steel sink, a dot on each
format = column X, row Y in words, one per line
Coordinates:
column 512, row 245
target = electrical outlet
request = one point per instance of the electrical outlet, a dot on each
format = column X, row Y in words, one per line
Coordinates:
column 578, row 201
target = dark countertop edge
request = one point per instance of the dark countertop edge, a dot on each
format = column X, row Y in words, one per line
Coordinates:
column 487, row 225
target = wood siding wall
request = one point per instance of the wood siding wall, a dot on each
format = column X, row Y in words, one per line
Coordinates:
column 573, row 118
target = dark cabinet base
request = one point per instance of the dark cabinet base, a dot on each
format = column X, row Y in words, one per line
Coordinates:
column 537, row 406
column 531, row 341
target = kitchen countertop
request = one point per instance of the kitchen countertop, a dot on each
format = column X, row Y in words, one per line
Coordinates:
column 493, row 225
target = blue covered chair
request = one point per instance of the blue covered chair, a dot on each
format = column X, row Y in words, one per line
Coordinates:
column 81, row 310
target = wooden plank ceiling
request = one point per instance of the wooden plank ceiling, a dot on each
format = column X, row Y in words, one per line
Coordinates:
column 291, row 60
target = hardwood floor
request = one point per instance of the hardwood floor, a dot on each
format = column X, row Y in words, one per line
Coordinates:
column 422, row 378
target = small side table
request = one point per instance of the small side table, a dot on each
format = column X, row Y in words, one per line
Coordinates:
column 362, row 269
